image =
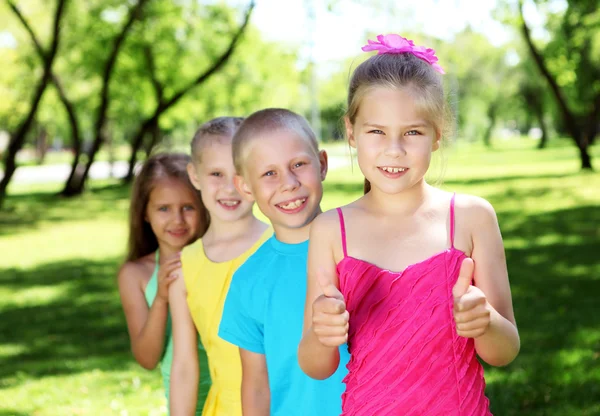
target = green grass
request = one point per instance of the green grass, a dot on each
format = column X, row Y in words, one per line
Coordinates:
column 64, row 348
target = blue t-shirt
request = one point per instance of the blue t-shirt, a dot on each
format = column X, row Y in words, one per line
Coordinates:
column 264, row 313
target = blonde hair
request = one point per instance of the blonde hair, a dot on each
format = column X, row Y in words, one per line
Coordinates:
column 402, row 71
column 268, row 120
column 219, row 127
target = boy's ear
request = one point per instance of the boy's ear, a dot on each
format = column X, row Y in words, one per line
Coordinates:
column 323, row 159
column 191, row 170
column 349, row 132
column 243, row 188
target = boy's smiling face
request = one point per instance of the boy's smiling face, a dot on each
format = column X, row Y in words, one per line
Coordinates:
column 284, row 175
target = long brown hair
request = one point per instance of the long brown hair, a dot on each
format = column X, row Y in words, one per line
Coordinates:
column 401, row 71
column 142, row 240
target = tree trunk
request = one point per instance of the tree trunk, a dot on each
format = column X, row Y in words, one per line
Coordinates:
column 17, row 140
column 571, row 124
column 41, row 145
column 136, row 145
column 487, row 137
column 154, row 139
column 539, row 112
column 76, row 183
column 586, row 161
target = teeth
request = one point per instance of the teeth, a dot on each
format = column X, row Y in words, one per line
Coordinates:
column 393, row 170
column 293, row 204
column 230, row 203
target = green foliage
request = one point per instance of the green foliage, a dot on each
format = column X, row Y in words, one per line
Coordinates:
column 169, row 47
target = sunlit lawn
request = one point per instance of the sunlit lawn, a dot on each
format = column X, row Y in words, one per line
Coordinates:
column 64, row 347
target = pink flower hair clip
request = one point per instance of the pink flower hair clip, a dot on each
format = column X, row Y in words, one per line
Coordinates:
column 397, row 44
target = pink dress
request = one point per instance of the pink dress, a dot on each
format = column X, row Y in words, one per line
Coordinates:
column 406, row 357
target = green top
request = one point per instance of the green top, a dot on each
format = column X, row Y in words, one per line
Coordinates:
column 167, row 358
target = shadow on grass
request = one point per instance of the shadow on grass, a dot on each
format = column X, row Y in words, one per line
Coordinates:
column 488, row 180
column 26, row 211
column 76, row 327
column 555, row 290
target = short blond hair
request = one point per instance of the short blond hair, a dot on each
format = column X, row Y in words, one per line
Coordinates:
column 269, row 120
column 217, row 127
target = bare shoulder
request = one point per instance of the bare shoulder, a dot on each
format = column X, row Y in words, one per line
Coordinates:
column 136, row 272
column 477, row 210
column 325, row 224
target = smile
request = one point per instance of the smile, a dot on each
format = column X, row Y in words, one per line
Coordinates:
column 178, row 233
column 292, row 205
column 391, row 169
column 229, row 204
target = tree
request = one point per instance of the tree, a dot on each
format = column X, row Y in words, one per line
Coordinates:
column 67, row 103
column 163, row 104
column 570, row 63
column 18, row 138
column 79, row 172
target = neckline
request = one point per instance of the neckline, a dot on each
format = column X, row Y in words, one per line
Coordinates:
column 410, row 266
column 287, row 248
column 252, row 248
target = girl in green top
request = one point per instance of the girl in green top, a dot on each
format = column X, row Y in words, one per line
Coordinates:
column 166, row 214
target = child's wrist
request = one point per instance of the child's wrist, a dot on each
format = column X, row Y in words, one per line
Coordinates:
column 160, row 301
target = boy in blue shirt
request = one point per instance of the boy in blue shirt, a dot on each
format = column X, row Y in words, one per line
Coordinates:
column 279, row 166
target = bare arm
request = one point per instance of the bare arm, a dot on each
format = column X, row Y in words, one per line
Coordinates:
column 498, row 342
column 185, row 368
column 146, row 326
column 256, row 395
column 325, row 316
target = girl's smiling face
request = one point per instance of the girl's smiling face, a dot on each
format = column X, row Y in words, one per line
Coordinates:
column 393, row 141
column 172, row 213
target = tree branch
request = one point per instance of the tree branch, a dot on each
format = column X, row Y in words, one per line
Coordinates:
column 18, row 138
column 55, row 80
column 570, row 120
column 216, row 65
column 158, row 86
column 165, row 105
column 110, row 63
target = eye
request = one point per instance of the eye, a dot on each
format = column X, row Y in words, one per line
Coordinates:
column 375, row 131
column 163, row 208
column 269, row 173
column 189, row 208
column 413, row 133
column 299, row 164
column 216, row 174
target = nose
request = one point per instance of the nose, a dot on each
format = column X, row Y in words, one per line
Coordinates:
column 395, row 148
column 289, row 181
column 230, row 187
column 178, row 216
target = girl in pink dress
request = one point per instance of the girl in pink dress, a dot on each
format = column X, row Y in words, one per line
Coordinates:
column 413, row 278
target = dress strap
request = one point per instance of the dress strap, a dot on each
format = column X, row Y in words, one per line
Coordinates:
column 343, row 229
column 452, row 220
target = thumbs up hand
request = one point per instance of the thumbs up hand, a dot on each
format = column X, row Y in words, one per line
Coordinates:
column 472, row 312
column 330, row 317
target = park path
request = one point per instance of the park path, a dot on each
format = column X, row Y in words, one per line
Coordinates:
column 101, row 170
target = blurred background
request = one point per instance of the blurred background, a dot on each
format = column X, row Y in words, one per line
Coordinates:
column 88, row 89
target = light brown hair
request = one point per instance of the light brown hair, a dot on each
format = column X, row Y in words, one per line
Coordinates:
column 401, row 71
column 267, row 120
column 142, row 240
column 216, row 128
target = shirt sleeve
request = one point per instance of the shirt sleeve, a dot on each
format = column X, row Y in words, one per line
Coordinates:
column 239, row 323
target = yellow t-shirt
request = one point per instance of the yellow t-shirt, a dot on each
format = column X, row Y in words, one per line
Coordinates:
column 207, row 284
